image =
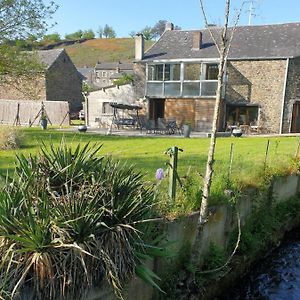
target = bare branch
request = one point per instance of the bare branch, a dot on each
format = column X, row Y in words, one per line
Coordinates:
column 233, row 252
column 207, row 25
column 237, row 19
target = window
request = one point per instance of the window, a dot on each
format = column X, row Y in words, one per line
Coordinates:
column 104, row 74
column 172, row 72
column 106, row 108
column 155, row 72
column 192, row 71
column 212, row 72
column 242, row 115
column 184, row 79
column 167, row 72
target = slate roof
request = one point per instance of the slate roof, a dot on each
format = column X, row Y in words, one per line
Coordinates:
column 48, row 57
column 249, row 42
column 113, row 66
column 85, row 72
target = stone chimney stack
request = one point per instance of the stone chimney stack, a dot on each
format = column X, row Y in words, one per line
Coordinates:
column 139, row 46
column 169, row 26
column 197, row 40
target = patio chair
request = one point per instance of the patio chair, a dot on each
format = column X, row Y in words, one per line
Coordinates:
column 150, row 126
column 161, row 126
column 179, row 127
column 171, row 125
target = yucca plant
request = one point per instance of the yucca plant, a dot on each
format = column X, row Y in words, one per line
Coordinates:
column 71, row 219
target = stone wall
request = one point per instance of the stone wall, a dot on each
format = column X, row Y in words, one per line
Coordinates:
column 139, row 71
column 63, row 83
column 23, row 87
column 292, row 92
column 258, row 82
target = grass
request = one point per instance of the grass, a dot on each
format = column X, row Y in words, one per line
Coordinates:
column 147, row 154
column 90, row 52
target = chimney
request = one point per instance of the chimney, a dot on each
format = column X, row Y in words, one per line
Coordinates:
column 197, row 40
column 169, row 26
column 139, row 46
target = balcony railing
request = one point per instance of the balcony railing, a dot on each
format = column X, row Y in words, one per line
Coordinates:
column 184, row 89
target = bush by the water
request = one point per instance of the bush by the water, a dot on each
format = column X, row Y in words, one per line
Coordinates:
column 69, row 220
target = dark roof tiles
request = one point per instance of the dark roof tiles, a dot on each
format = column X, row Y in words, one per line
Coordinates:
column 249, row 42
column 48, row 57
column 113, row 66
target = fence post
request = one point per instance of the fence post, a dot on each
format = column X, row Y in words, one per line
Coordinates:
column 266, row 154
column 298, row 146
column 173, row 176
column 230, row 164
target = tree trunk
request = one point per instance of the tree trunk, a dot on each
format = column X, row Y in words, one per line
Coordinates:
column 203, row 215
column 211, row 151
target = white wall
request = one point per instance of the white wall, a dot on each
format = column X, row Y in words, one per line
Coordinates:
column 122, row 94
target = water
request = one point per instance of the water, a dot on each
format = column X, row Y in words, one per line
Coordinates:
column 275, row 278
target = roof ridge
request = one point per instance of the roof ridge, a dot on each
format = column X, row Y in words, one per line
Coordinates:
column 239, row 26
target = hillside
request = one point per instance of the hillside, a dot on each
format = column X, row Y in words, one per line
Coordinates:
column 89, row 52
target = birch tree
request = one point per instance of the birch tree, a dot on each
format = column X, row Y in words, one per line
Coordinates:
column 222, row 38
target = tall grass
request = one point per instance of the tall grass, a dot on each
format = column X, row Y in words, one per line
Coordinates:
column 10, row 138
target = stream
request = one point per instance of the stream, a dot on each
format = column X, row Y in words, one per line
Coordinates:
column 277, row 277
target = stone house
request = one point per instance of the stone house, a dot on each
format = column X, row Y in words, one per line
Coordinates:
column 106, row 72
column 59, row 82
column 178, row 77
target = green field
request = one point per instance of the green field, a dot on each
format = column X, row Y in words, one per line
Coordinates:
column 147, row 153
column 90, row 52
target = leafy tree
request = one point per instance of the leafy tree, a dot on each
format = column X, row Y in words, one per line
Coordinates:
column 159, row 28
column 108, row 32
column 51, row 38
column 148, row 33
column 88, row 34
column 125, row 79
column 20, row 70
column 100, row 32
column 22, row 45
column 21, row 18
column 132, row 34
column 77, row 35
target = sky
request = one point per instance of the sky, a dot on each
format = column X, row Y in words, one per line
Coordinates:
column 126, row 16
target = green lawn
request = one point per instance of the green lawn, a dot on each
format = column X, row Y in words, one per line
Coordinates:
column 147, row 153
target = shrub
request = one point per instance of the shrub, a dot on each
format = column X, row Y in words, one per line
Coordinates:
column 10, row 138
column 71, row 219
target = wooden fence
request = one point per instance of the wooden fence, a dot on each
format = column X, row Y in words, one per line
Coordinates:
column 26, row 112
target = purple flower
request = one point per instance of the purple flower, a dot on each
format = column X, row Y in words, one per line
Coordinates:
column 159, row 174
